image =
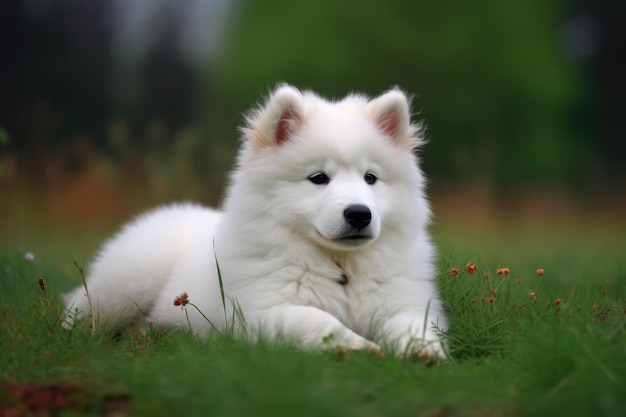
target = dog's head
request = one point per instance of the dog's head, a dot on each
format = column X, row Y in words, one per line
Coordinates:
column 339, row 173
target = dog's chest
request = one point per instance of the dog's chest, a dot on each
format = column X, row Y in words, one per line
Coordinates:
column 355, row 301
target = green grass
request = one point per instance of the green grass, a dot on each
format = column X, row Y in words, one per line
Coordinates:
column 512, row 356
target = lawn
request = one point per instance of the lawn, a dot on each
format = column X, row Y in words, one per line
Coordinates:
column 522, row 342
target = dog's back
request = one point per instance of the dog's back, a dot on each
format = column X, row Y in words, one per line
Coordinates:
column 133, row 266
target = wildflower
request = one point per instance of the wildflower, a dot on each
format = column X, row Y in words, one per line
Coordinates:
column 42, row 285
column 594, row 307
column 532, row 295
column 494, row 291
column 491, row 299
column 602, row 291
column 454, row 272
column 181, row 300
column 557, row 302
column 471, row 267
column 473, row 300
column 540, row 272
column 503, row 271
column 29, row 256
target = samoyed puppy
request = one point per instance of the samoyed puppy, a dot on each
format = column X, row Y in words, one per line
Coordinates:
column 322, row 240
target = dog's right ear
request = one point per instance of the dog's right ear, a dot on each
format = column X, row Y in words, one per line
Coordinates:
column 277, row 120
column 390, row 112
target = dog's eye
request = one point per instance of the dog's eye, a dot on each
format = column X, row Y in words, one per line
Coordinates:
column 370, row 178
column 319, row 178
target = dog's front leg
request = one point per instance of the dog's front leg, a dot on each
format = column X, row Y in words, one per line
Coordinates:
column 307, row 327
column 411, row 334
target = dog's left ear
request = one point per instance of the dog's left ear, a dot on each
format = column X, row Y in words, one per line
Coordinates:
column 277, row 120
column 390, row 112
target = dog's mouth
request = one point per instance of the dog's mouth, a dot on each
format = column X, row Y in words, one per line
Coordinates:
column 351, row 240
column 347, row 240
column 355, row 237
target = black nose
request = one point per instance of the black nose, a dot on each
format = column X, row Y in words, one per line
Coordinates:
column 358, row 216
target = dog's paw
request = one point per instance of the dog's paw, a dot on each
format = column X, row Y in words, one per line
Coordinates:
column 426, row 351
column 351, row 344
column 343, row 351
column 370, row 347
column 430, row 353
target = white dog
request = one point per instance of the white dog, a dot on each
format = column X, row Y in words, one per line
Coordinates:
column 322, row 240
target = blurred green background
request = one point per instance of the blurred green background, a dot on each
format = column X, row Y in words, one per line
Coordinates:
column 107, row 107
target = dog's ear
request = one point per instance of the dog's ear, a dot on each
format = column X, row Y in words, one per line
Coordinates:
column 390, row 112
column 275, row 122
column 286, row 103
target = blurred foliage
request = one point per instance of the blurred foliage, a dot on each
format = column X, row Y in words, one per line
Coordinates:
column 4, row 139
column 4, row 136
column 503, row 101
column 491, row 77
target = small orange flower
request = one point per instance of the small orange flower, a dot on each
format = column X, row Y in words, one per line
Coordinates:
column 540, row 272
column 602, row 291
column 181, row 300
column 532, row 295
column 494, row 291
column 473, row 300
column 454, row 272
column 557, row 302
column 503, row 271
column 491, row 299
column 471, row 267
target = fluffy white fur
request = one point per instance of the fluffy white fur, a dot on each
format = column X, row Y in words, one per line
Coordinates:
column 290, row 257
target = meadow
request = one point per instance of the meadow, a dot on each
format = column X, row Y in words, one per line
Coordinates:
column 538, row 327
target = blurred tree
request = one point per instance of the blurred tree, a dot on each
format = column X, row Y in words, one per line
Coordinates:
column 491, row 77
column 55, row 67
column 503, row 101
column 607, row 70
